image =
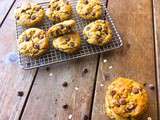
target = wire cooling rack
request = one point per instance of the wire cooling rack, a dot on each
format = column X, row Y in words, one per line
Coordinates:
column 55, row 56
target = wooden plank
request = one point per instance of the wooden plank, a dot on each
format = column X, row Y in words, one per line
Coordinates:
column 48, row 95
column 12, row 77
column 156, row 13
column 5, row 6
column 136, row 60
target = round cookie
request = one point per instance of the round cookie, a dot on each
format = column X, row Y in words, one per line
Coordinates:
column 89, row 9
column 61, row 28
column 98, row 33
column 33, row 42
column 59, row 10
column 29, row 15
column 125, row 99
column 69, row 43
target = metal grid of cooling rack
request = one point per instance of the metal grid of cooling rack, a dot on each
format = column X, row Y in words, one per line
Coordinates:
column 55, row 56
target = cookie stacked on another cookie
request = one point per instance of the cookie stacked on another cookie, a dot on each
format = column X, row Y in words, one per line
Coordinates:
column 89, row 9
column 125, row 99
column 64, row 39
column 59, row 10
column 29, row 14
column 98, row 33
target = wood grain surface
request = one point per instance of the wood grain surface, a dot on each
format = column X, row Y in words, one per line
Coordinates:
column 44, row 95
column 136, row 60
column 48, row 95
column 12, row 77
column 5, row 6
column 156, row 14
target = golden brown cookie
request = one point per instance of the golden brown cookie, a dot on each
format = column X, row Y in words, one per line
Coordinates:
column 98, row 33
column 33, row 42
column 69, row 43
column 29, row 15
column 61, row 28
column 89, row 9
column 59, row 10
column 125, row 99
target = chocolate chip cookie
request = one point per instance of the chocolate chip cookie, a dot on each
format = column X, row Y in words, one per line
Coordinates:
column 59, row 10
column 98, row 33
column 89, row 9
column 29, row 15
column 69, row 43
column 125, row 99
column 61, row 28
column 33, row 42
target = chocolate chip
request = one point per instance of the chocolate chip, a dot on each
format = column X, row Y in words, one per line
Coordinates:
column 113, row 92
column 122, row 101
column 37, row 47
column 151, row 86
column 23, row 10
column 17, row 17
column 26, row 38
column 88, row 28
column 49, row 6
column 86, row 2
column 61, row 26
column 72, row 44
column 65, row 84
column 135, row 90
column 85, row 70
column 85, row 117
column 38, row 8
column 58, row 8
column 131, row 107
column 116, row 103
column 33, row 17
column 93, row 14
column 41, row 36
column 65, row 106
column 67, row 2
column 20, row 93
column 99, row 28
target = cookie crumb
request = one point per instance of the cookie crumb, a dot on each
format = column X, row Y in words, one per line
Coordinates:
column 101, row 85
column 85, row 117
column 50, row 74
column 149, row 118
column 110, row 67
column 151, row 86
column 47, row 68
column 20, row 93
column 70, row 116
column 65, row 106
column 65, row 84
column 76, row 88
column 85, row 70
column 144, row 84
column 105, row 60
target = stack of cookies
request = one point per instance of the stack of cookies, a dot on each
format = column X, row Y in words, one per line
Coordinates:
column 34, row 42
column 125, row 99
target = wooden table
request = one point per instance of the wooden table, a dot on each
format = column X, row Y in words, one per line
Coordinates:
column 44, row 95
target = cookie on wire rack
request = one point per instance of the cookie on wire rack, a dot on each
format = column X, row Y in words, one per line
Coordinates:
column 33, row 43
column 61, row 28
column 59, row 10
column 89, row 9
column 29, row 14
column 69, row 43
column 98, row 33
